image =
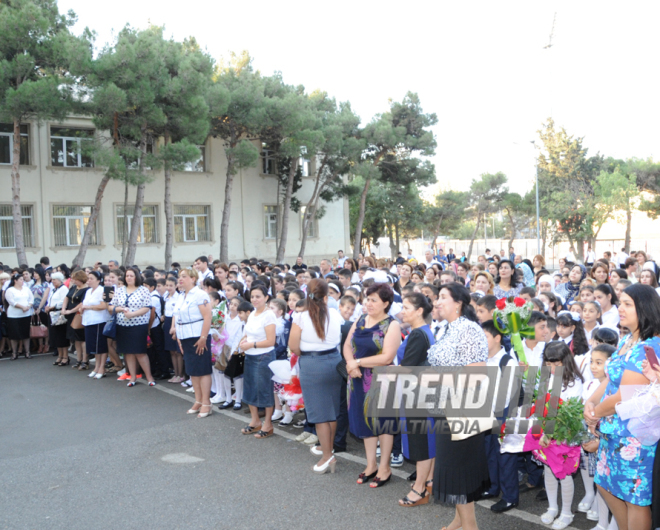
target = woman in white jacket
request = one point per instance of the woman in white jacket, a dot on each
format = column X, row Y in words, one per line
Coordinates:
column 19, row 313
column 57, row 330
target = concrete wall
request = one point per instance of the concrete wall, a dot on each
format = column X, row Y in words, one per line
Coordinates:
column 44, row 186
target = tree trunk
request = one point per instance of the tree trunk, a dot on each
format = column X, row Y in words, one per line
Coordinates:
column 474, row 236
column 281, row 248
column 91, row 224
column 19, row 240
column 513, row 227
column 226, row 209
column 169, row 216
column 580, row 249
column 390, row 234
column 124, row 232
column 398, row 238
column 139, row 202
column 310, row 211
column 357, row 240
column 628, row 227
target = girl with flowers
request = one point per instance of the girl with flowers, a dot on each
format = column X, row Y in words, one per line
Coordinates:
column 555, row 355
column 624, row 472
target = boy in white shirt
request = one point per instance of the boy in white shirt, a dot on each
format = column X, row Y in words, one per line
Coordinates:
column 502, row 467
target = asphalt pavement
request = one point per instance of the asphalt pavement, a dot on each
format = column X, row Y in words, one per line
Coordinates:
column 77, row 453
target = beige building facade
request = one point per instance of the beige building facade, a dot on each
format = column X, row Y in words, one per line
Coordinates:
column 59, row 184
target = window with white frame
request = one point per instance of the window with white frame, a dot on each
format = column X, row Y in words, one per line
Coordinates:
column 198, row 165
column 69, row 224
column 312, row 227
column 69, row 147
column 270, row 222
column 148, row 232
column 191, row 223
column 304, row 162
column 7, row 144
column 268, row 161
column 7, row 226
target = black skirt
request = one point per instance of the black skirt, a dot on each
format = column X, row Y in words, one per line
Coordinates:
column 170, row 343
column 18, row 328
column 95, row 340
column 57, row 336
column 132, row 339
column 461, row 469
column 196, row 365
column 74, row 335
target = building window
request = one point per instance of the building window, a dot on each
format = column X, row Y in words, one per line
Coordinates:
column 7, row 226
column 270, row 222
column 191, row 223
column 133, row 164
column 312, row 227
column 268, row 161
column 198, row 165
column 7, row 144
column 148, row 232
column 69, row 147
column 303, row 162
column 69, row 224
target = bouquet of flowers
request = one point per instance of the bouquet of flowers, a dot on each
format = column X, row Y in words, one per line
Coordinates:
column 218, row 333
column 511, row 318
column 560, row 450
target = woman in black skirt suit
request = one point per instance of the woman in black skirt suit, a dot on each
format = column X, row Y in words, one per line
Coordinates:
column 190, row 326
column 57, row 332
column 461, row 467
column 71, row 308
column 132, row 303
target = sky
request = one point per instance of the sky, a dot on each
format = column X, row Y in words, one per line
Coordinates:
column 482, row 67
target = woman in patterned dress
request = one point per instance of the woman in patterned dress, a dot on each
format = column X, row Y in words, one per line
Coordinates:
column 624, row 472
column 507, row 282
column 461, row 467
column 371, row 342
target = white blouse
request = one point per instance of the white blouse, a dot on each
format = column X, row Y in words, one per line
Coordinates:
column 187, row 316
column 255, row 329
column 611, row 318
column 91, row 317
column 22, row 297
column 309, row 340
column 170, row 303
column 459, row 343
column 57, row 296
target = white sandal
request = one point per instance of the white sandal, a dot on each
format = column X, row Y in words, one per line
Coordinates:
column 549, row 516
column 562, row 522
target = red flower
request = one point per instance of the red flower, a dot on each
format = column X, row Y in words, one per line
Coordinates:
column 545, row 411
column 547, row 397
column 501, row 303
column 561, row 401
column 519, row 301
column 503, row 427
column 532, row 411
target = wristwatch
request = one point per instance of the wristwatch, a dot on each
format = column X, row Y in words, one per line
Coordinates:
column 358, row 361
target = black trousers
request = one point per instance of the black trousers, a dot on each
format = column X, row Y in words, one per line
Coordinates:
column 342, row 419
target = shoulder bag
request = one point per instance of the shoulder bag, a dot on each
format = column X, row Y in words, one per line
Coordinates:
column 110, row 328
column 37, row 329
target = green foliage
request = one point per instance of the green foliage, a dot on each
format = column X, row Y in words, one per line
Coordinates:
column 569, row 423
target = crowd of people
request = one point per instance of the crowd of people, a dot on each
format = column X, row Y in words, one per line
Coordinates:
column 217, row 328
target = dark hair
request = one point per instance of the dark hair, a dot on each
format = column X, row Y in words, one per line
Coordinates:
column 514, row 280
column 538, row 304
column 384, row 292
column 647, row 305
column 261, row 288
column 345, row 273
column 160, row 281
column 528, row 290
column 150, row 282
column 284, row 293
column 579, row 344
column 65, row 270
column 44, row 260
column 606, row 289
column 489, row 327
column 138, row 276
column 621, row 273
column 433, row 288
column 237, row 286
column 419, row 301
column 96, row 275
column 558, row 351
column 488, row 301
column 42, row 274
column 203, row 259
column 215, row 295
column 605, row 336
column 317, row 290
column 460, row 294
column 301, row 303
column 607, row 349
column 347, row 300
column 600, row 310
column 245, row 307
column 214, row 283
column 537, row 317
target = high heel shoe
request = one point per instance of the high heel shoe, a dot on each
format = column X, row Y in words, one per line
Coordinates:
column 323, row 468
column 65, row 363
column 194, row 411
column 205, row 414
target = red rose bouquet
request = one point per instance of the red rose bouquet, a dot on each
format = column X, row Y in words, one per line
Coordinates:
column 511, row 318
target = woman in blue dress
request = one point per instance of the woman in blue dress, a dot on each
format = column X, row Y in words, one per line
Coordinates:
column 624, row 472
column 371, row 342
column 418, row 443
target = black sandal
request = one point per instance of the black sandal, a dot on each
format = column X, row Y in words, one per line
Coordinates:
column 423, row 499
column 249, row 429
column 366, row 478
column 379, row 481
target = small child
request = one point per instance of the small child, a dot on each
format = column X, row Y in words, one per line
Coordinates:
column 282, row 331
column 294, row 297
column 593, row 504
column 218, row 317
column 235, row 332
column 355, row 292
column 171, row 298
column 347, row 308
column 557, row 354
column 591, row 318
column 587, row 293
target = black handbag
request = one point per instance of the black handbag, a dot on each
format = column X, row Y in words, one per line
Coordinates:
column 235, row 365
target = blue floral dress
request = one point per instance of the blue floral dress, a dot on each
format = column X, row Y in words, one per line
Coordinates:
column 625, row 466
column 365, row 342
